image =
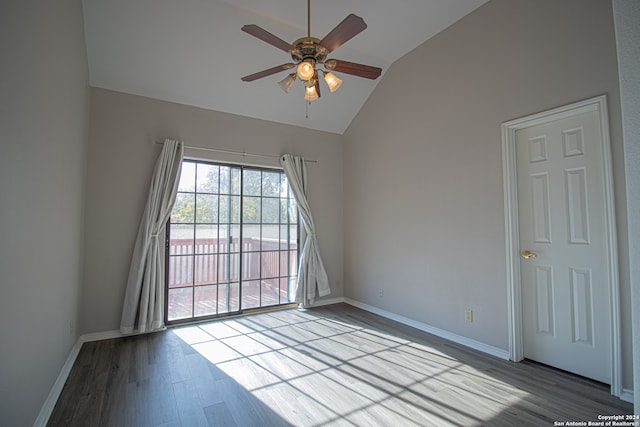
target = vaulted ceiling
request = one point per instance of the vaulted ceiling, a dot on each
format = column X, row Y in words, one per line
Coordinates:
column 193, row 51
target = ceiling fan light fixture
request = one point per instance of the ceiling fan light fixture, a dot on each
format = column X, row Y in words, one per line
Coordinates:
column 287, row 83
column 310, row 93
column 332, row 81
column 306, row 69
column 307, row 52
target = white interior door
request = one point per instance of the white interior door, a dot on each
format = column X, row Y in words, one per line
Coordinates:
column 566, row 320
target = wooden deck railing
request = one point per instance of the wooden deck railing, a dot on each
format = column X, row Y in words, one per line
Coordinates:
column 216, row 262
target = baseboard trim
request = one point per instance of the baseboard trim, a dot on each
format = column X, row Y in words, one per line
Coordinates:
column 54, row 394
column 52, row 398
column 320, row 303
column 467, row 342
column 627, row 395
column 99, row 336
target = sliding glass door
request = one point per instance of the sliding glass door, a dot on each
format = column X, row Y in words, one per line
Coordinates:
column 232, row 241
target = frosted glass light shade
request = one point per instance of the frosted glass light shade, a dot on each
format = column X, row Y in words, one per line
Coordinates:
column 310, row 93
column 306, row 70
column 287, row 83
column 332, row 81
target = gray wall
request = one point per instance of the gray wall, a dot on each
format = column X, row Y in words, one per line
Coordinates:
column 423, row 174
column 627, row 16
column 120, row 160
column 44, row 96
column 423, row 208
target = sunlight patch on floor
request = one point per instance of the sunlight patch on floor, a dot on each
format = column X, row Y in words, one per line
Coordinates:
column 311, row 370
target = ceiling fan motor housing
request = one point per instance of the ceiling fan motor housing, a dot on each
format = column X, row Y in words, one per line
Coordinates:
column 308, row 48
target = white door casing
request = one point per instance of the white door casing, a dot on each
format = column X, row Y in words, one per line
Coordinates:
column 582, row 276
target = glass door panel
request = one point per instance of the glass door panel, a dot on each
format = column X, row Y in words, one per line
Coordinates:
column 232, row 241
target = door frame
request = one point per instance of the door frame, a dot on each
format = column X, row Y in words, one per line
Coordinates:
column 512, row 239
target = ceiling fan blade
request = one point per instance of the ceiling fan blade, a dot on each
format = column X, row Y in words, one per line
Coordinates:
column 265, row 73
column 360, row 70
column 267, row 37
column 344, row 31
column 317, row 85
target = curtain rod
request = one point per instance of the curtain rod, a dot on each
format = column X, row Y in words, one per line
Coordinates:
column 243, row 153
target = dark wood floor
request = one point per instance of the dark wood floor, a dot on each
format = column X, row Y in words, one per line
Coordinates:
column 334, row 365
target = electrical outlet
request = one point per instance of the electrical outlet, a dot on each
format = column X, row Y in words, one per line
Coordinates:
column 380, row 293
column 71, row 328
column 468, row 315
column 337, row 284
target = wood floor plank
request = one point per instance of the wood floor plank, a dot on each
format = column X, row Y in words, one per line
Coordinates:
column 334, row 365
column 219, row 414
column 113, row 405
column 190, row 411
column 88, row 409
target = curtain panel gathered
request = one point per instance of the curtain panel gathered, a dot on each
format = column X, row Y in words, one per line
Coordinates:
column 312, row 277
column 143, row 308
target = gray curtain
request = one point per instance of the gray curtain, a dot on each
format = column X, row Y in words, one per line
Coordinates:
column 312, row 277
column 144, row 297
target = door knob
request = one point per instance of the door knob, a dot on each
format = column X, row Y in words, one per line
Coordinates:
column 527, row 254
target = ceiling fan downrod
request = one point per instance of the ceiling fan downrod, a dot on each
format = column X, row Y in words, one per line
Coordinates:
column 309, row 18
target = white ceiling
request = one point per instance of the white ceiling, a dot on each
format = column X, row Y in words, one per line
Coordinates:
column 193, row 51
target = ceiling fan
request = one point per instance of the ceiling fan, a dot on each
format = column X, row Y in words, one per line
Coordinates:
column 309, row 52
